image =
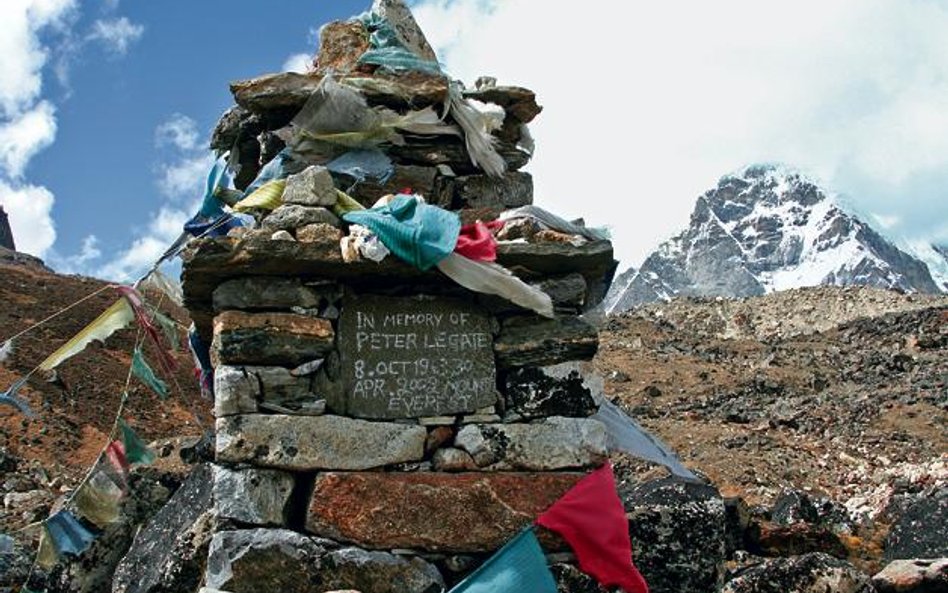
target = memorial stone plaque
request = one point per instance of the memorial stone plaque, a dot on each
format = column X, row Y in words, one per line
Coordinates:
column 414, row 357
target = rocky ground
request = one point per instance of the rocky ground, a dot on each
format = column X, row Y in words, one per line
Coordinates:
column 819, row 415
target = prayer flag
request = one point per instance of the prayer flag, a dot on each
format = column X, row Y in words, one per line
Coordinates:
column 136, row 451
column 147, row 376
column 591, row 519
column 111, row 320
column 518, row 567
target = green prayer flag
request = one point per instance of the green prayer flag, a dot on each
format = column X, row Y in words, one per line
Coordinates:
column 147, row 376
column 169, row 327
column 517, row 567
column 136, row 451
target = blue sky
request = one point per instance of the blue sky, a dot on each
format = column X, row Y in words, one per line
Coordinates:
column 106, row 105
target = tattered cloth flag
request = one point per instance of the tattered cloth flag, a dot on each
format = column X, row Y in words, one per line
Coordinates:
column 136, row 451
column 167, row 362
column 591, row 519
column 6, row 351
column 111, row 320
column 9, row 398
column 202, row 361
column 169, row 327
column 156, row 280
column 147, row 376
column 99, row 499
column 518, row 567
column 63, row 535
column 117, row 466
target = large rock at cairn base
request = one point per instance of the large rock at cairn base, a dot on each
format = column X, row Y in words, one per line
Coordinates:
column 555, row 443
column 317, row 442
column 678, row 534
column 168, row 556
column 254, row 496
column 269, row 338
column 258, row 560
column 467, row 512
column 811, row 573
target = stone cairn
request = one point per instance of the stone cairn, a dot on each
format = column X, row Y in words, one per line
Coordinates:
column 380, row 428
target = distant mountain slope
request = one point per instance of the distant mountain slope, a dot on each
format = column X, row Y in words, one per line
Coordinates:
column 764, row 229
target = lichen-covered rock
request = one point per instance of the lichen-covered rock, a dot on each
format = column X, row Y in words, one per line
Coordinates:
column 257, row 560
column 254, row 496
column 920, row 528
column 913, row 576
column 552, row 444
column 450, row 459
column 319, row 232
column 552, row 391
column 514, row 189
column 317, row 442
column 378, row 572
column 312, row 186
column 811, row 573
column 678, row 534
column 169, row 555
column 267, row 293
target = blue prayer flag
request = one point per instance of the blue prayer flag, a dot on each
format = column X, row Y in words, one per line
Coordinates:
column 517, row 567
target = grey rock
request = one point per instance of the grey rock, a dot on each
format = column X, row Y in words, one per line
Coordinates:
column 555, row 443
column 378, row 572
column 169, row 554
column 279, row 386
column 678, row 534
column 6, row 234
column 567, row 291
column 810, row 573
column 913, row 576
column 257, row 560
column 294, row 216
column 236, row 391
column 552, row 391
column 920, row 526
column 267, row 293
column 317, row 442
column 514, row 189
column 269, row 338
column 254, row 496
column 312, row 186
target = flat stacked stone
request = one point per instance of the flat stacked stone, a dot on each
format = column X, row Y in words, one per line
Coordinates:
column 370, row 414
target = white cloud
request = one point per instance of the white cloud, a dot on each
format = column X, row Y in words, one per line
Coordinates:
column 133, row 261
column 179, row 131
column 648, row 104
column 26, row 135
column 298, row 63
column 184, row 178
column 29, row 208
column 116, row 34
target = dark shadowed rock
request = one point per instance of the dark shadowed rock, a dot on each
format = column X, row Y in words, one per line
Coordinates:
column 168, row 556
column 536, row 341
column 678, row 534
column 920, row 530
column 482, row 191
column 269, row 338
column 257, row 560
column 570, row 579
column 812, row 573
column 268, row 293
column 552, row 391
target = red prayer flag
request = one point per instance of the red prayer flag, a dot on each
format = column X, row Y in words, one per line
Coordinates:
column 476, row 241
column 590, row 517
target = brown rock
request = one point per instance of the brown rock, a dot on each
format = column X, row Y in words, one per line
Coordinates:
column 269, row 338
column 450, row 459
column 796, row 539
column 341, row 44
column 467, row 512
column 518, row 102
column 437, row 438
column 320, row 232
column 534, row 341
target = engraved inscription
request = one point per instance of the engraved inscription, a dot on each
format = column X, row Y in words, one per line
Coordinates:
column 406, row 358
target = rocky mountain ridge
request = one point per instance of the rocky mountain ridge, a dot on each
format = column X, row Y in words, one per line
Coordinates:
column 763, row 229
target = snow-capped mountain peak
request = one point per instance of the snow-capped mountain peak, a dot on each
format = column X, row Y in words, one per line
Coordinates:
column 767, row 228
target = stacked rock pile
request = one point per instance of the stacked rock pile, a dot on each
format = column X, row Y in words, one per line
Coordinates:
column 379, row 427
